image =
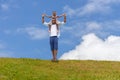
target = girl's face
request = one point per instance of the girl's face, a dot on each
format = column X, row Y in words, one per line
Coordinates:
column 54, row 13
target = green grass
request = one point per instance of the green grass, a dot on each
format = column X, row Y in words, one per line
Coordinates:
column 35, row 69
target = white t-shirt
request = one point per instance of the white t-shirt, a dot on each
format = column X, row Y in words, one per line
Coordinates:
column 53, row 31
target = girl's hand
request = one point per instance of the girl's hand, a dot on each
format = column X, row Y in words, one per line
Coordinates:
column 43, row 15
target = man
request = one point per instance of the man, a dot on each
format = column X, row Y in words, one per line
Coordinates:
column 54, row 16
column 53, row 35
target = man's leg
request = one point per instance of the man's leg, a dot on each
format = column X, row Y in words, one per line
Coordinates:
column 52, row 47
column 55, row 48
column 55, row 55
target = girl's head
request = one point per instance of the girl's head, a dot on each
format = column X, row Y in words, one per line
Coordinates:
column 54, row 13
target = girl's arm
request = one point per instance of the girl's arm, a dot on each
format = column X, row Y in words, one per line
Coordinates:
column 48, row 16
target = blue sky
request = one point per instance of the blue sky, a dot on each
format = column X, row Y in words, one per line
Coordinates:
column 23, row 35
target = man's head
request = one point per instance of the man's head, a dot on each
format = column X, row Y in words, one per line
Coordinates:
column 53, row 21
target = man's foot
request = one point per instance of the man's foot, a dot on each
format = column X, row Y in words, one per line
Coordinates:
column 54, row 60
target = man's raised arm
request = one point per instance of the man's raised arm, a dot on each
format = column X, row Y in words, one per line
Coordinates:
column 43, row 18
column 64, row 18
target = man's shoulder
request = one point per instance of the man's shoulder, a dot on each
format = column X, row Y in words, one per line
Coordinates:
column 61, row 22
column 46, row 23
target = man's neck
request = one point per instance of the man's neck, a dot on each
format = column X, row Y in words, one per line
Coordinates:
column 53, row 23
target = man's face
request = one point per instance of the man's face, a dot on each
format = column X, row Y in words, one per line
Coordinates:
column 53, row 21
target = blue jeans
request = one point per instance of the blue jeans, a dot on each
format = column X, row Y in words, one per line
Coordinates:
column 54, row 42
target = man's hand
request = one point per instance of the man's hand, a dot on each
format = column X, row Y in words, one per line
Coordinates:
column 43, row 15
column 64, row 17
column 64, row 14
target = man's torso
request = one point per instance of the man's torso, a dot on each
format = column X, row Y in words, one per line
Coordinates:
column 53, row 31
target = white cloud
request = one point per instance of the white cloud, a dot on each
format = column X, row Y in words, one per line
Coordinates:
column 66, row 42
column 97, row 6
column 93, row 25
column 77, row 29
column 69, row 11
column 4, row 7
column 92, row 6
column 102, row 29
column 7, row 31
column 8, row 5
column 34, row 32
column 2, row 46
column 94, row 48
column 4, row 52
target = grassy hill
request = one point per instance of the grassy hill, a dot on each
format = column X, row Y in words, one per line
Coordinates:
column 35, row 69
